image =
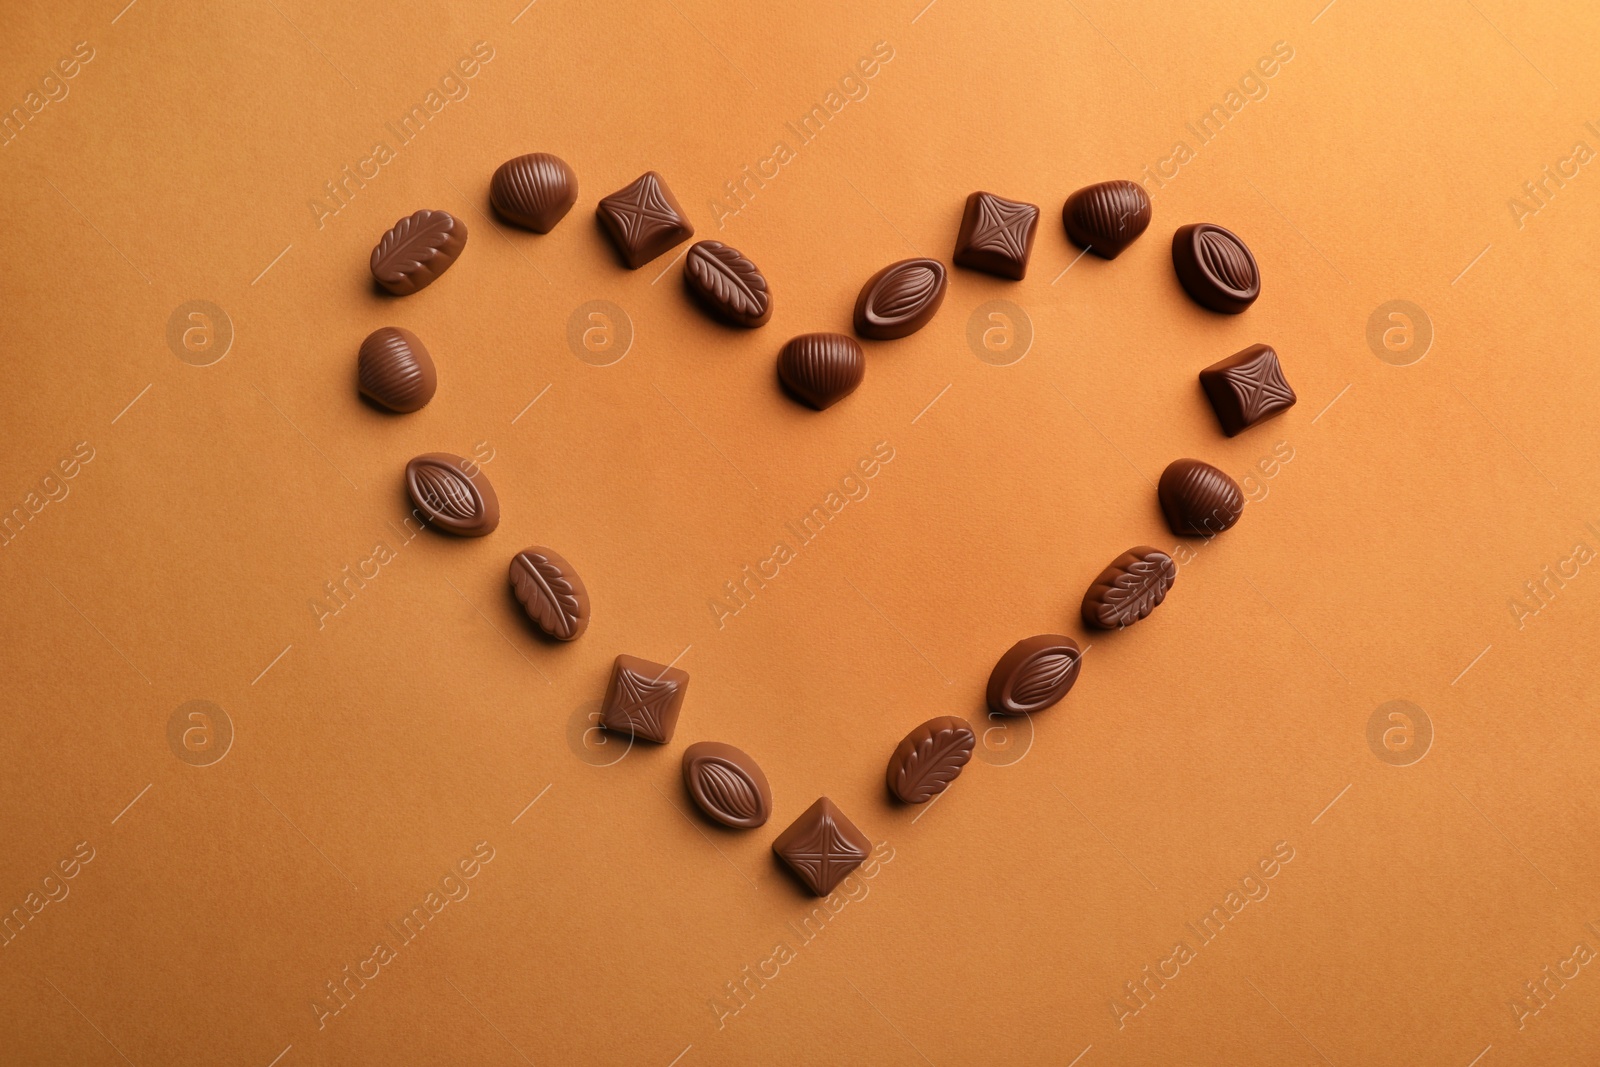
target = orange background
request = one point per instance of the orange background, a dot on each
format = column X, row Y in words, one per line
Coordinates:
column 375, row 748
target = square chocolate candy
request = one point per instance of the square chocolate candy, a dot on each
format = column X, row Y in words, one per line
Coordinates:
column 997, row 235
column 644, row 219
column 822, row 846
column 643, row 699
column 1246, row 388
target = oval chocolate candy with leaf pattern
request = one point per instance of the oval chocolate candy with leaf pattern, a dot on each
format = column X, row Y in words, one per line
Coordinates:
column 727, row 284
column 727, row 784
column 1035, row 673
column 900, row 299
column 551, row 592
column 416, row 250
column 1128, row 590
column 930, row 758
column 452, row 494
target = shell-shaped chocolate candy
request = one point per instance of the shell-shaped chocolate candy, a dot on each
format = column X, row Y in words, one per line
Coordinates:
column 1107, row 217
column 727, row 784
column 821, row 369
column 900, row 299
column 727, row 284
column 1034, row 674
column 453, row 494
column 416, row 250
column 1215, row 268
column 1198, row 499
column 395, row 371
column 551, row 592
column 930, row 758
column 534, row 191
column 1129, row 589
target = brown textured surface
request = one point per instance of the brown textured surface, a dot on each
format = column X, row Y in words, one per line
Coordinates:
column 180, row 549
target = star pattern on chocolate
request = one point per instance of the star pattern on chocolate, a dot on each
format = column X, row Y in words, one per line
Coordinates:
column 1260, row 386
column 1003, row 226
column 643, row 699
column 641, row 211
column 822, row 846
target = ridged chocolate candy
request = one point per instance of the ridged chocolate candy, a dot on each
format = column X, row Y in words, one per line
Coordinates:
column 1107, row 217
column 727, row 784
column 1198, row 499
column 930, row 758
column 534, row 191
column 395, row 370
column 1128, row 590
column 453, row 494
column 551, row 592
column 727, row 284
column 1215, row 268
column 1034, row 674
column 900, row 299
column 821, row 369
column 416, row 250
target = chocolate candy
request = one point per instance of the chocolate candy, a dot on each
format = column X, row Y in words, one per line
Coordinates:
column 1198, row 499
column 643, row 699
column 996, row 235
column 534, row 191
column 1215, row 268
column 1035, row 673
column 395, row 370
column 1107, row 217
column 416, row 250
column 822, row 846
column 1129, row 589
column 821, row 369
column 900, row 299
column 1246, row 388
column 644, row 219
column 727, row 784
column 930, row 758
column 453, row 494
column 551, row 592
column 727, row 284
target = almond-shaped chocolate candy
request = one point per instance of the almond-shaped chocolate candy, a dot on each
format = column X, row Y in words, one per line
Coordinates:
column 1198, row 499
column 1246, row 388
column 534, row 191
column 453, row 494
column 821, row 369
column 644, row 219
column 1107, row 217
column 900, row 299
column 551, row 592
column 822, row 847
column 643, row 699
column 727, row 784
column 418, row 249
column 395, row 371
column 727, row 284
column 997, row 235
column 1215, row 268
column 930, row 758
column 1034, row 674
column 1129, row 589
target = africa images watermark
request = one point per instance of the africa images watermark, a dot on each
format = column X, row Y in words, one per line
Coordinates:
column 452, row 86
column 740, row 592
column 739, row 191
